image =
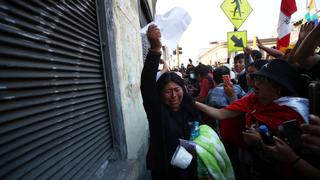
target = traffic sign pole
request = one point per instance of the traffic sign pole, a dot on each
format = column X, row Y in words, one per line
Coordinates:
column 178, row 52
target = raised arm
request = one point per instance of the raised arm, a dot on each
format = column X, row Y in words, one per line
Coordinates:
column 305, row 29
column 149, row 72
column 247, row 56
column 217, row 113
column 273, row 52
column 304, row 54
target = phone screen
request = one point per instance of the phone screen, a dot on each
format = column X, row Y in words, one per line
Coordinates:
column 314, row 98
column 226, row 79
column 291, row 131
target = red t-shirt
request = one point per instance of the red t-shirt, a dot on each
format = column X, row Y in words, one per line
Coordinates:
column 271, row 114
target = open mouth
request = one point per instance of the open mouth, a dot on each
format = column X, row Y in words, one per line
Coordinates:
column 174, row 102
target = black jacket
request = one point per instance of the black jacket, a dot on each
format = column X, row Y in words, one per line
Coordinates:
column 242, row 81
column 165, row 126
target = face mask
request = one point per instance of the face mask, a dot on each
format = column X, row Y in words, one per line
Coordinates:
column 192, row 76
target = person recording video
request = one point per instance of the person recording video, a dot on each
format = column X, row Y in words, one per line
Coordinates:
column 310, row 138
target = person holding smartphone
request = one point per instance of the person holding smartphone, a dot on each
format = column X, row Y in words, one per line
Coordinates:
column 310, row 138
column 217, row 96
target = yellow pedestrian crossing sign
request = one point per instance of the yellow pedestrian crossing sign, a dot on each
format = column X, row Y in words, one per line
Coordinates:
column 237, row 40
column 237, row 11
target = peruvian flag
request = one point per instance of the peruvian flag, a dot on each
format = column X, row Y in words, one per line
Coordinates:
column 288, row 7
column 272, row 114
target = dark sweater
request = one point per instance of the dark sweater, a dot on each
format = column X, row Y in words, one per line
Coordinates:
column 242, row 81
column 165, row 126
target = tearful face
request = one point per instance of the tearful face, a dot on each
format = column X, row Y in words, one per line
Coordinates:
column 172, row 95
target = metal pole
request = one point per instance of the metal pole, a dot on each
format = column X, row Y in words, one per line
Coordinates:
column 178, row 52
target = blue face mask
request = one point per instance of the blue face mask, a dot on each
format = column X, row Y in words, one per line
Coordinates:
column 192, row 76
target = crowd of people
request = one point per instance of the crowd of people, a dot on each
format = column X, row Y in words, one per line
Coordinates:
column 238, row 103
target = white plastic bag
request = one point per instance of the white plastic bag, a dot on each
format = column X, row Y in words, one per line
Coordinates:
column 172, row 25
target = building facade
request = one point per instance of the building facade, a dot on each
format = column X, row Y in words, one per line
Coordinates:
column 218, row 52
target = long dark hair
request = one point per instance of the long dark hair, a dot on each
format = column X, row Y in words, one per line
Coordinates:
column 167, row 77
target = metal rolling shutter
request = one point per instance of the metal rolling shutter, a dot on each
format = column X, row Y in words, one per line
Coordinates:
column 54, row 119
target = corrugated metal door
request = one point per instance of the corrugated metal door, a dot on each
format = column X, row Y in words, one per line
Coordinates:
column 54, row 120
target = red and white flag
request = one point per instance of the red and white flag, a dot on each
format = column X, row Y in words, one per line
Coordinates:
column 288, row 7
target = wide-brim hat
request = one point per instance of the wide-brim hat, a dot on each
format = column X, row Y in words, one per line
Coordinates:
column 281, row 72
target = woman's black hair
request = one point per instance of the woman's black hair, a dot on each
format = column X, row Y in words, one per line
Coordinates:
column 218, row 72
column 167, row 77
column 187, row 100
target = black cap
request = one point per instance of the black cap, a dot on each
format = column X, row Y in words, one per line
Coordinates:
column 281, row 72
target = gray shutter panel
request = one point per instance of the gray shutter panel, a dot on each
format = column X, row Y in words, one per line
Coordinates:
column 54, row 116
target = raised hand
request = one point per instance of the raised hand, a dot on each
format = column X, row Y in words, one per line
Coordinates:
column 252, row 137
column 281, row 151
column 228, row 89
column 311, row 134
column 154, row 36
column 305, row 29
column 247, row 50
column 259, row 44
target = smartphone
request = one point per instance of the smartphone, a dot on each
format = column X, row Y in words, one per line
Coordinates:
column 226, row 79
column 314, row 98
column 291, row 131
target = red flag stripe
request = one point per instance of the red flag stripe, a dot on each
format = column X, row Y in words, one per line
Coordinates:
column 288, row 7
column 284, row 41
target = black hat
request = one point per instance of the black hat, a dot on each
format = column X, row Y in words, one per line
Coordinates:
column 281, row 72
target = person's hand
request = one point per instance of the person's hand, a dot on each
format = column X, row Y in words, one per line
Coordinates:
column 166, row 65
column 154, row 36
column 281, row 151
column 259, row 44
column 247, row 50
column 190, row 146
column 305, row 29
column 252, row 137
column 311, row 134
column 228, row 89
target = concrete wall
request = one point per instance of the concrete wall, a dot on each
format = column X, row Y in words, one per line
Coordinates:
column 129, row 64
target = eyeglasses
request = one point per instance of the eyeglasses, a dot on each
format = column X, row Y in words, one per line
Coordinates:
column 260, row 79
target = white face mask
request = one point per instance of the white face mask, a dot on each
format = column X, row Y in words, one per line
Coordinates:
column 192, row 76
